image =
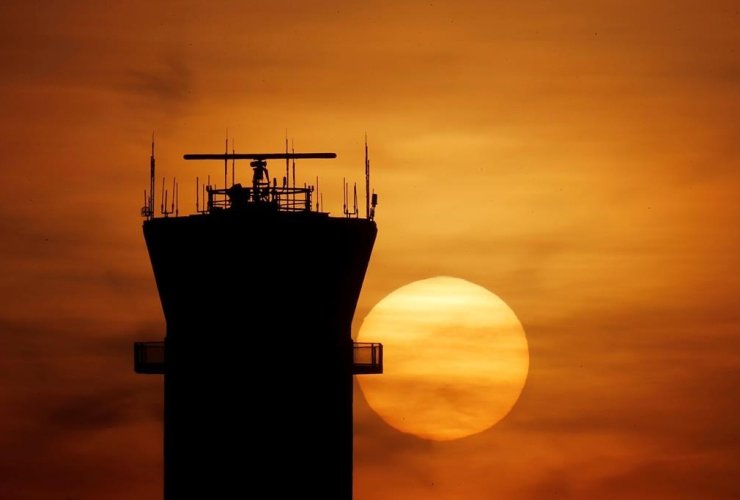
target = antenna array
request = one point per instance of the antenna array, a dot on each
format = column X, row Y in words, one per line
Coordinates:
column 285, row 198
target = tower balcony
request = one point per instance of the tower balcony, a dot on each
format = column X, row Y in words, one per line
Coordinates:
column 149, row 358
column 367, row 358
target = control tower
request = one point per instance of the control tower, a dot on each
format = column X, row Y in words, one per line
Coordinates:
column 258, row 288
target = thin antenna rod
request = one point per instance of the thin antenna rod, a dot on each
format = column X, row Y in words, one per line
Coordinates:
column 226, row 161
column 357, row 210
column 174, row 193
column 197, row 195
column 233, row 162
column 367, row 181
column 317, row 193
column 287, row 160
column 161, row 209
column 344, row 195
column 151, row 182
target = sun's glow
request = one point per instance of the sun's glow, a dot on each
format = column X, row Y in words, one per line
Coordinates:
column 456, row 358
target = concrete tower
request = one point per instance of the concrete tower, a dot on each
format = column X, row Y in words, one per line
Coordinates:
column 258, row 291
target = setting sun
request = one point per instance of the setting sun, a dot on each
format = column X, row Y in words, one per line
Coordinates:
column 456, row 358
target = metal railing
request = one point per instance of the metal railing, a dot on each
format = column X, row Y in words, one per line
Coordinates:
column 285, row 199
column 149, row 357
column 367, row 358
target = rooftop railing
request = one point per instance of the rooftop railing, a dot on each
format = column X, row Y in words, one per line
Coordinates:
column 285, row 199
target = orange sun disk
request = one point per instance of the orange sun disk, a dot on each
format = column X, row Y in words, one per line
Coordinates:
column 456, row 358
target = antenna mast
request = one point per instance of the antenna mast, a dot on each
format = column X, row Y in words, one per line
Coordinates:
column 226, row 161
column 151, row 182
column 162, row 209
column 357, row 208
column 293, row 193
column 367, row 181
column 174, row 194
column 287, row 161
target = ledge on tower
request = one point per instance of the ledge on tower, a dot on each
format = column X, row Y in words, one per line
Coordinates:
column 149, row 358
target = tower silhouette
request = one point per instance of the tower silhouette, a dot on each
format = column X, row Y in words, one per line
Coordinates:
column 258, row 291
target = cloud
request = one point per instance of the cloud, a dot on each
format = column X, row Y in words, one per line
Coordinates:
column 167, row 87
column 75, row 410
column 681, row 477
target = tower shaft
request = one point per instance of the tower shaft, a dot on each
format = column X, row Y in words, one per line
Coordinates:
column 259, row 354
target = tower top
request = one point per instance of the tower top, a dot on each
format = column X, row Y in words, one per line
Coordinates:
column 265, row 193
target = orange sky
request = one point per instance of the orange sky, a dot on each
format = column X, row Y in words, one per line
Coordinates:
column 579, row 159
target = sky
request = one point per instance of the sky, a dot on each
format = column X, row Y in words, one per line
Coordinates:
column 579, row 159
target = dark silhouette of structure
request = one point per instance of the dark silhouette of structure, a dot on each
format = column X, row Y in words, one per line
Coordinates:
column 258, row 290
